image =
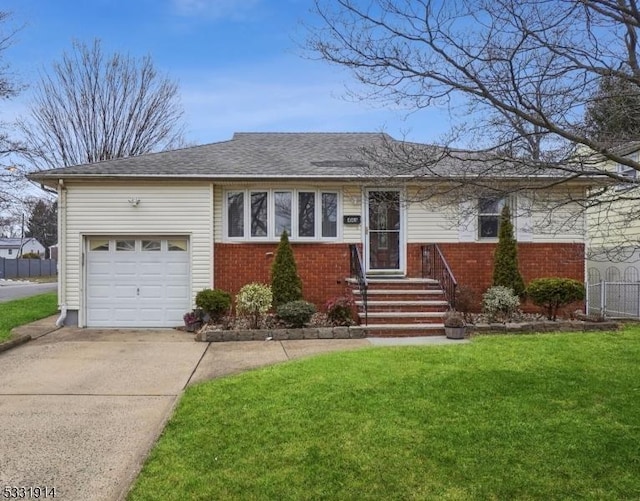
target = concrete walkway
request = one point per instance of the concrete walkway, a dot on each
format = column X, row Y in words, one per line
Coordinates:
column 81, row 408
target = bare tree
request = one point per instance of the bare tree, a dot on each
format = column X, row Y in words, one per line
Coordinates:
column 90, row 107
column 525, row 71
column 10, row 177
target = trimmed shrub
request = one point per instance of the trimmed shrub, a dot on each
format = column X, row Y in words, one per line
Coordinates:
column 340, row 310
column 505, row 260
column 553, row 293
column 254, row 301
column 31, row 255
column 214, row 302
column 500, row 303
column 296, row 313
column 285, row 282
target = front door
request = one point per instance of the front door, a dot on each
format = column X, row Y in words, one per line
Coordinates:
column 384, row 238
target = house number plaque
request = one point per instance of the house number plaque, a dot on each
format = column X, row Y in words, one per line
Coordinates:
column 352, row 219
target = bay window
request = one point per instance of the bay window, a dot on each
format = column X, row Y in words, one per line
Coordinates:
column 303, row 214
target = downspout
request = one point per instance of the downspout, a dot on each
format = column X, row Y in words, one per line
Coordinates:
column 62, row 248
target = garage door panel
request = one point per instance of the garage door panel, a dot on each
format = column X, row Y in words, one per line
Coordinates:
column 122, row 270
column 137, row 288
column 102, row 269
column 177, row 269
column 124, row 292
column 152, row 292
column 176, row 292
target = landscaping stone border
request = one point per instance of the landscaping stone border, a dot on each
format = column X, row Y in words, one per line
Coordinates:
column 542, row 326
column 360, row 332
column 281, row 334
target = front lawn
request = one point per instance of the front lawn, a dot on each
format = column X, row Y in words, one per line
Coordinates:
column 22, row 311
column 552, row 416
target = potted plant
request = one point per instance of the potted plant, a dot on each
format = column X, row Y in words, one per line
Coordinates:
column 454, row 325
column 193, row 320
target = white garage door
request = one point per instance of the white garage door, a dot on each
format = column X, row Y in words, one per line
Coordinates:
column 137, row 282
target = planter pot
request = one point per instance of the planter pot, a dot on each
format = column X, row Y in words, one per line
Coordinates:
column 454, row 332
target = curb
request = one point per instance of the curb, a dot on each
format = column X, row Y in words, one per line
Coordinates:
column 16, row 341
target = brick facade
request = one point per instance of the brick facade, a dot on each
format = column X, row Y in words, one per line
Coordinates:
column 472, row 263
column 323, row 266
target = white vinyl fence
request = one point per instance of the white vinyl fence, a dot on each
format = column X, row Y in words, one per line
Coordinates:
column 615, row 296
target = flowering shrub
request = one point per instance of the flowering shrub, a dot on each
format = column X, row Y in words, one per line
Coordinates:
column 253, row 301
column 340, row 310
column 500, row 303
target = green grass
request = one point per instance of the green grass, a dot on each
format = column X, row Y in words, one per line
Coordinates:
column 554, row 416
column 22, row 311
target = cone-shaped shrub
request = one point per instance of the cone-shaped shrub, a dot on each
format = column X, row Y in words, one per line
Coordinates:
column 285, row 282
column 505, row 259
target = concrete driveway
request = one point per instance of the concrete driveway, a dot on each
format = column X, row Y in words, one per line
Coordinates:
column 81, row 408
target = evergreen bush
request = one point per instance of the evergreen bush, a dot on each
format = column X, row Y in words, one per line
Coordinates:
column 553, row 293
column 254, row 301
column 285, row 282
column 214, row 302
column 505, row 260
column 500, row 303
column 296, row 314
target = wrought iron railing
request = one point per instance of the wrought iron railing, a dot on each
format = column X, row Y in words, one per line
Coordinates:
column 435, row 266
column 357, row 271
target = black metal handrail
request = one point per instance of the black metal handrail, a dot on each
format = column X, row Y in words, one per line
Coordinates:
column 357, row 271
column 435, row 266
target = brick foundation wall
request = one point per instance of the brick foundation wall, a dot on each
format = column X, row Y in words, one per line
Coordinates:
column 322, row 267
column 472, row 263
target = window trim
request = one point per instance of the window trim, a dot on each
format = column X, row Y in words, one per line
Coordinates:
column 271, row 220
column 628, row 173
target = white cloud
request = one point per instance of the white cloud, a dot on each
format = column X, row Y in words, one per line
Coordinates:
column 216, row 9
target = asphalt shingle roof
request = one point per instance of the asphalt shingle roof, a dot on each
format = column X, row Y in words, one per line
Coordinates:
column 320, row 155
column 255, row 155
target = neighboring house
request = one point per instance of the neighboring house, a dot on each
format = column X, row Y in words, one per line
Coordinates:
column 12, row 248
column 614, row 228
column 613, row 247
column 139, row 237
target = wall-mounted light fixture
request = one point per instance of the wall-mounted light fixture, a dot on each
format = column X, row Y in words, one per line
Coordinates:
column 134, row 202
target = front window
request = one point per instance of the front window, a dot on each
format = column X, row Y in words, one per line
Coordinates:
column 235, row 213
column 330, row 215
column 303, row 214
column 306, row 214
column 259, row 216
column 489, row 209
column 282, row 210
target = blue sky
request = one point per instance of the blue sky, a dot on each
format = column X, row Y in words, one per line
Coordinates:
column 237, row 63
